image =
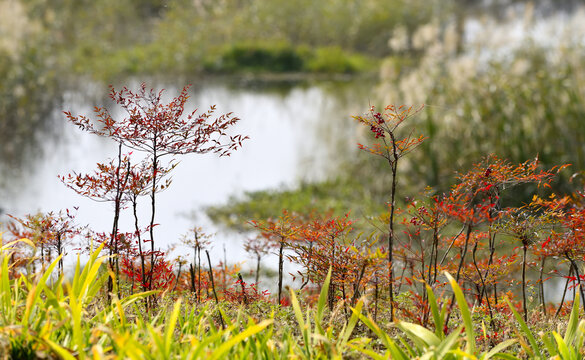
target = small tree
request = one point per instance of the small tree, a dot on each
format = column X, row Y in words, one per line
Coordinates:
column 52, row 232
column 118, row 182
column 161, row 129
column 284, row 230
column 385, row 126
column 258, row 247
column 197, row 240
column 475, row 200
column 324, row 244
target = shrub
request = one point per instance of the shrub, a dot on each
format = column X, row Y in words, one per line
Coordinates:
column 253, row 56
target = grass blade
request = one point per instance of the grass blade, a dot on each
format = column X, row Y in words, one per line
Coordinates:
column 419, row 335
column 322, row 302
column 62, row 352
column 448, row 343
column 495, row 351
column 438, row 319
column 344, row 337
column 226, row 346
column 170, row 328
column 573, row 321
column 470, row 334
column 533, row 349
column 562, row 347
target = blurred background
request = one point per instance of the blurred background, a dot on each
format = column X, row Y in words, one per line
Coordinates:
column 495, row 76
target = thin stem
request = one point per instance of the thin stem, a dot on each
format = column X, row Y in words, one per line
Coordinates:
column 192, row 272
column 564, row 291
column 242, row 284
column 578, row 279
column 331, row 294
column 153, row 209
column 280, row 268
column 213, row 287
column 139, row 236
column 356, row 286
column 524, row 250
column 434, row 255
column 483, row 287
column 394, row 168
column 258, row 258
column 541, row 283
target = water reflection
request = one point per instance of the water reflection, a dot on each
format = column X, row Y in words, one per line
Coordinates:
column 294, row 132
column 25, row 124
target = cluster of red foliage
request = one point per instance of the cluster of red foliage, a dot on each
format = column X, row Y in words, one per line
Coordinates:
column 244, row 293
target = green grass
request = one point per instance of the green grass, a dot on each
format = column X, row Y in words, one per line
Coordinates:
column 46, row 316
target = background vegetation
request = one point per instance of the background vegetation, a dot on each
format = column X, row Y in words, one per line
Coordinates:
column 510, row 85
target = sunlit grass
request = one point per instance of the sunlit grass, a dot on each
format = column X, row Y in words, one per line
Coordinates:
column 44, row 316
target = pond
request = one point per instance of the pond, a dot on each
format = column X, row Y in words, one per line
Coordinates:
column 297, row 130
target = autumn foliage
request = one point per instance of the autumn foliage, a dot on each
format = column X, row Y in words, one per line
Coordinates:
column 496, row 244
column 160, row 130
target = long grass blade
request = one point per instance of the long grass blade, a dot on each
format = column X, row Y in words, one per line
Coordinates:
column 562, row 347
column 533, row 349
column 496, row 350
column 62, row 352
column 470, row 333
column 438, row 319
column 344, row 337
column 448, row 343
column 170, row 328
column 322, row 302
column 573, row 321
column 35, row 293
column 226, row 346
column 419, row 335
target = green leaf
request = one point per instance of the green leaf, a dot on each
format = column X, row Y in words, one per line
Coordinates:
column 170, row 328
column 376, row 329
column 573, row 321
column 226, row 346
column 344, row 337
column 299, row 316
column 398, row 353
column 369, row 352
column 495, row 351
column 322, row 301
column 35, row 293
column 438, row 319
column 421, row 336
column 76, row 317
column 470, row 334
column 448, row 343
column 534, row 349
column 409, row 348
column 62, row 352
column 548, row 341
column 562, row 347
column 6, row 288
